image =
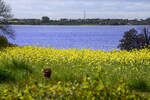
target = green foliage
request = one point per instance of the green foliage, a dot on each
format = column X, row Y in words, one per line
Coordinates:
column 136, row 76
column 15, row 70
column 45, row 19
column 76, row 74
column 83, row 89
column 131, row 40
column 3, row 42
column 5, row 14
column 5, row 29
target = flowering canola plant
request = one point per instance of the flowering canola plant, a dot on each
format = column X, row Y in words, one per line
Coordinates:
column 75, row 64
column 123, row 63
column 69, row 56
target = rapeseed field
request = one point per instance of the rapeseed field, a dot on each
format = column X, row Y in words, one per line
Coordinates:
column 76, row 67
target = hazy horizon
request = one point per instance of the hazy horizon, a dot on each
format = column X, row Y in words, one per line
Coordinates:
column 73, row 9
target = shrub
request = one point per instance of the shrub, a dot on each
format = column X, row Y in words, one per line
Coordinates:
column 3, row 41
column 133, row 40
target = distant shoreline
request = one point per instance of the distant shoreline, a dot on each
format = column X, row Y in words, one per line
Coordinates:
column 47, row 21
column 73, row 25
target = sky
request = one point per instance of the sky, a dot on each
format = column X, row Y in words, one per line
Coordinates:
column 56, row 9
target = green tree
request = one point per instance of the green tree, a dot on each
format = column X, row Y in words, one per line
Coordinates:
column 5, row 29
column 148, row 21
column 133, row 40
column 5, row 15
column 45, row 19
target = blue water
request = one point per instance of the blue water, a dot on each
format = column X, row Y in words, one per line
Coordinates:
column 93, row 37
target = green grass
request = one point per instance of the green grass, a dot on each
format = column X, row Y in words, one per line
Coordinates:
column 69, row 67
column 15, row 70
column 12, row 71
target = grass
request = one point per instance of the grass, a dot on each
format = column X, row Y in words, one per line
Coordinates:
column 14, row 70
column 17, row 64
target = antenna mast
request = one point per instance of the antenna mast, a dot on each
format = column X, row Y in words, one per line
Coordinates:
column 84, row 14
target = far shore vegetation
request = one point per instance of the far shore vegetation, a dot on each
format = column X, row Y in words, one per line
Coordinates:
column 64, row 21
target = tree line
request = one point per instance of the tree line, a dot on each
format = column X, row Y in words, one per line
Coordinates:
column 47, row 21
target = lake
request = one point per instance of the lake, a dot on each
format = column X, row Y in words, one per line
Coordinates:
column 93, row 37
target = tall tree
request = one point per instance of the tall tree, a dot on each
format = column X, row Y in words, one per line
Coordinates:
column 5, row 15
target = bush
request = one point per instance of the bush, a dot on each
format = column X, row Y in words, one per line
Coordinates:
column 3, row 42
column 133, row 40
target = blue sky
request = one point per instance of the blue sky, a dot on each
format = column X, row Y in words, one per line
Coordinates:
column 56, row 9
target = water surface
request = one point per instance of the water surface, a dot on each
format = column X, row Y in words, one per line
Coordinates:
column 93, row 37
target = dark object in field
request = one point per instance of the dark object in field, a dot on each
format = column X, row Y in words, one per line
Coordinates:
column 47, row 73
